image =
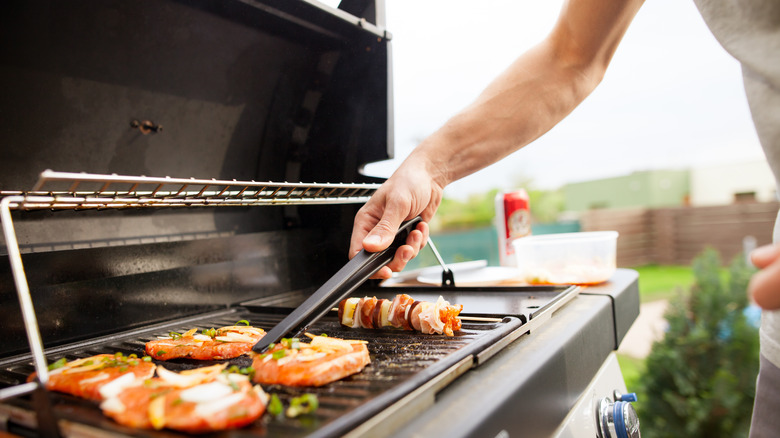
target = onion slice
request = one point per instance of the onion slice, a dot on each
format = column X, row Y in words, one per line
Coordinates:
column 206, row 392
column 113, row 388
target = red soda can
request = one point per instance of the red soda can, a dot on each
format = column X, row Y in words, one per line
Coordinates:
column 513, row 221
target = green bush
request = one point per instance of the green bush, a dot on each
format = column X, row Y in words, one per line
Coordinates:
column 699, row 380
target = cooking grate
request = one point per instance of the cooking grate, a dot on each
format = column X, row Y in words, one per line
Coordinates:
column 78, row 191
column 401, row 363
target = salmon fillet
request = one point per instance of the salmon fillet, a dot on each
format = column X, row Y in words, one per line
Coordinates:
column 323, row 360
column 215, row 344
column 86, row 377
column 195, row 401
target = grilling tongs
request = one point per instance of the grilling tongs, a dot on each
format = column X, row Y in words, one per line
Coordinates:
column 338, row 287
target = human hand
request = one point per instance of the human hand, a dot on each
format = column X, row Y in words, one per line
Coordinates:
column 409, row 193
column 764, row 287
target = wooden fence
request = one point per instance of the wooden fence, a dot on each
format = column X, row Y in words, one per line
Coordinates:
column 674, row 236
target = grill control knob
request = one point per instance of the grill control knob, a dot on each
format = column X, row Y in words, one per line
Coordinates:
column 617, row 419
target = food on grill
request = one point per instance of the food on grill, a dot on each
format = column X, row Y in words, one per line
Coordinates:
column 321, row 361
column 97, row 377
column 195, row 401
column 402, row 312
column 212, row 344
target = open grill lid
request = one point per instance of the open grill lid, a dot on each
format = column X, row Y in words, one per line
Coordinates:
column 286, row 91
column 267, row 90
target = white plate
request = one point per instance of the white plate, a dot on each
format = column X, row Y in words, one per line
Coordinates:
column 436, row 270
column 481, row 275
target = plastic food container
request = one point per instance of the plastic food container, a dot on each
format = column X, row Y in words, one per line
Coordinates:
column 568, row 258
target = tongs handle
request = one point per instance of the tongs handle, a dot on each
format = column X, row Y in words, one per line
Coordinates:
column 344, row 282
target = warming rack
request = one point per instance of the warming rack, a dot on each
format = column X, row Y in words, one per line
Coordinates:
column 84, row 191
column 71, row 191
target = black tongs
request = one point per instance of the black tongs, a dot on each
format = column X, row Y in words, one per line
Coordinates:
column 344, row 282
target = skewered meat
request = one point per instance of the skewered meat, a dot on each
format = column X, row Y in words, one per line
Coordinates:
column 402, row 312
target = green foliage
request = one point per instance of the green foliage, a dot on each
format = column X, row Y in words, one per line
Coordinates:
column 546, row 205
column 632, row 369
column 479, row 210
column 699, row 381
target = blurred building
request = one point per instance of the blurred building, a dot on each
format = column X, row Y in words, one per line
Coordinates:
column 735, row 182
column 699, row 186
column 643, row 189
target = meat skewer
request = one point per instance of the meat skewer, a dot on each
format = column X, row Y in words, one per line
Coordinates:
column 402, row 312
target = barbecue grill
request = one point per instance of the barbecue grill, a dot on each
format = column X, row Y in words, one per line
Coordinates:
column 187, row 141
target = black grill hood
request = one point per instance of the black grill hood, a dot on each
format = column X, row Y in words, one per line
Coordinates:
column 271, row 90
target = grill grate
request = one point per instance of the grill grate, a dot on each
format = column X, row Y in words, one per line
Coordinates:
column 401, row 362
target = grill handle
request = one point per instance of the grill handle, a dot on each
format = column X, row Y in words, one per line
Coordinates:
column 338, row 287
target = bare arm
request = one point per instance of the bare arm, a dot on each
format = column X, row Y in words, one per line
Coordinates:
column 536, row 92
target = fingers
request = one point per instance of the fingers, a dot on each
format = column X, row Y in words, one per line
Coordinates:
column 364, row 222
column 764, row 287
column 414, row 243
column 383, row 233
column 764, row 255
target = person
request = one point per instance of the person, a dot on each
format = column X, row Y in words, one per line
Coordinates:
column 543, row 86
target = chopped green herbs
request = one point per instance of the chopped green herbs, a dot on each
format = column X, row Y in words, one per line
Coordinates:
column 247, row 371
column 212, row 332
column 161, row 352
column 175, row 335
column 59, row 364
column 278, row 354
column 243, row 321
column 291, row 343
column 304, row 404
column 275, row 405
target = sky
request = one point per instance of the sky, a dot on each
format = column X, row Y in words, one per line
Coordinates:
column 672, row 97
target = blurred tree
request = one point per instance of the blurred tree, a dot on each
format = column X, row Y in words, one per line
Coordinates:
column 699, row 380
column 475, row 212
column 479, row 210
column 546, row 205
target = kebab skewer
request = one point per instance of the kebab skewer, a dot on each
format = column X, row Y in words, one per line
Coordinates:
column 401, row 312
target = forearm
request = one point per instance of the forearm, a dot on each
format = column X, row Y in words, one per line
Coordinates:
column 516, row 109
column 536, row 92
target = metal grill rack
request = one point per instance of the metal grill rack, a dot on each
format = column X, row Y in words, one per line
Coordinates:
column 68, row 191
column 83, row 191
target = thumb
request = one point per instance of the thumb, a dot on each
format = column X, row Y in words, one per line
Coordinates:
column 383, row 233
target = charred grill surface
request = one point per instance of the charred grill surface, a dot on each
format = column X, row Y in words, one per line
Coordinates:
column 401, row 361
